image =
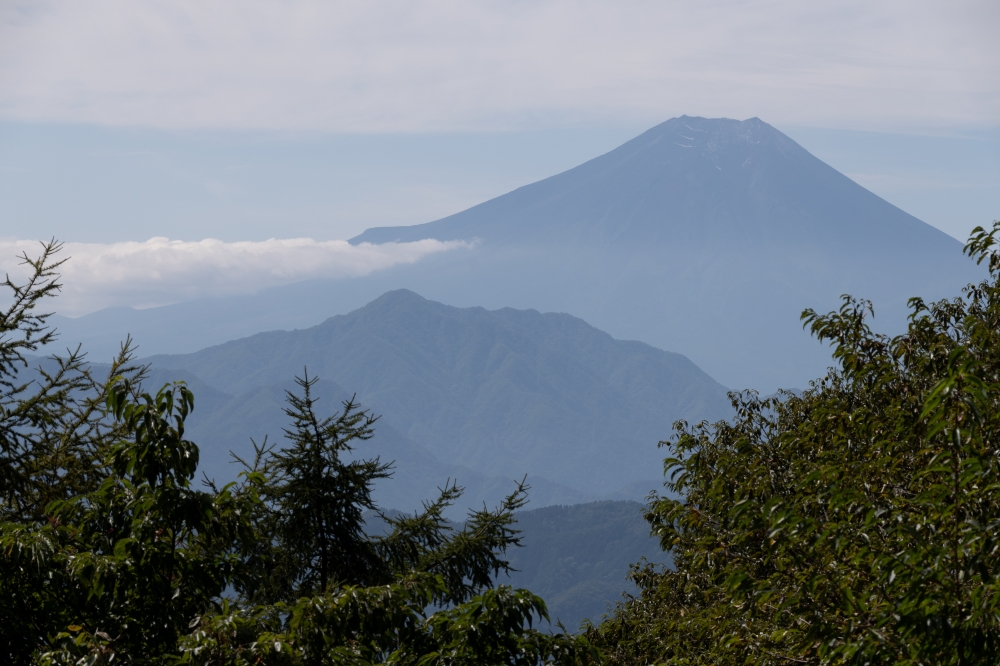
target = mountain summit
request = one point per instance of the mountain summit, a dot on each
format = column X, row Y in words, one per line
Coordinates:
column 697, row 181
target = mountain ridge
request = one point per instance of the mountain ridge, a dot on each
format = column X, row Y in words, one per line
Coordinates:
column 502, row 392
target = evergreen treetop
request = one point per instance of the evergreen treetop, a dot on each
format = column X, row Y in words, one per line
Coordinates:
column 109, row 554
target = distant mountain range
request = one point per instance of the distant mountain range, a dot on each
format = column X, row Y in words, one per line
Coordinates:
column 226, row 424
column 707, row 237
column 495, row 394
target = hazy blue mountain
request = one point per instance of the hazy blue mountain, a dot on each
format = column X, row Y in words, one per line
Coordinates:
column 222, row 424
column 692, row 181
column 704, row 236
column 504, row 393
column 575, row 556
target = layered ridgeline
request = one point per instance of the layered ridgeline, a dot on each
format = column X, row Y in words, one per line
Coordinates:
column 499, row 393
column 704, row 236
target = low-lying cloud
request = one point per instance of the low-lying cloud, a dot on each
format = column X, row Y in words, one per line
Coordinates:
column 162, row 271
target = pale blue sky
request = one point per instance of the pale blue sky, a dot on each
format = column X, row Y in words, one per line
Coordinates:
column 91, row 184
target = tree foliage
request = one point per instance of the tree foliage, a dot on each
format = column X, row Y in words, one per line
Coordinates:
column 109, row 553
column 855, row 523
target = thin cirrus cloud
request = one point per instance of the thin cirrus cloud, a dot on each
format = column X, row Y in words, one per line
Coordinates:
column 445, row 65
column 161, row 271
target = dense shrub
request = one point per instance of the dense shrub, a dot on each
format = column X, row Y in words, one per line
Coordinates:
column 854, row 523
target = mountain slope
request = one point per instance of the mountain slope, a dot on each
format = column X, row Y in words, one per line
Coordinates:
column 689, row 180
column 502, row 392
column 223, row 426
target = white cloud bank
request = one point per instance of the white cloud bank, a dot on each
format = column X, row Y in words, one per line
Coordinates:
column 161, row 271
column 404, row 65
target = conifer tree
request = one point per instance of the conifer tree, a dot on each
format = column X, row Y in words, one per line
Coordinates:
column 321, row 498
column 52, row 428
column 108, row 554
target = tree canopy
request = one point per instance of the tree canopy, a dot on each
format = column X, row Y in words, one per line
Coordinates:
column 854, row 523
